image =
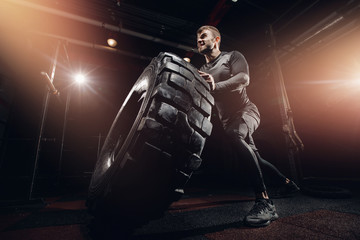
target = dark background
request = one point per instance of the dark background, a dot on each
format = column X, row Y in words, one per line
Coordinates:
column 317, row 44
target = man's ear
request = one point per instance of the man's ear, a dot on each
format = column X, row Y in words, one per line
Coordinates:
column 217, row 40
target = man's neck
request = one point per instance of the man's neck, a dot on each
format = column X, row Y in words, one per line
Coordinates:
column 211, row 56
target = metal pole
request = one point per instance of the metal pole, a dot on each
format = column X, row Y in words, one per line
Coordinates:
column 42, row 123
column 99, row 146
column 68, row 98
column 293, row 141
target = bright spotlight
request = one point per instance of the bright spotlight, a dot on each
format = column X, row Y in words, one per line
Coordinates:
column 356, row 82
column 111, row 42
column 80, row 78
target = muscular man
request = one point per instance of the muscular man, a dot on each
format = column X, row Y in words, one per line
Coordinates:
column 228, row 75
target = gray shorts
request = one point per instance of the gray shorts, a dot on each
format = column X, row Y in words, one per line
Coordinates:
column 243, row 126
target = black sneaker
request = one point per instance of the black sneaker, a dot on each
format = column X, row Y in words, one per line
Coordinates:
column 287, row 190
column 261, row 214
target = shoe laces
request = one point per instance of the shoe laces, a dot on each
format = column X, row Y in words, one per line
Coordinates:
column 259, row 206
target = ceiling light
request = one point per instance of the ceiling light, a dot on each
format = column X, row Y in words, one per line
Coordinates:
column 111, row 42
column 80, row 78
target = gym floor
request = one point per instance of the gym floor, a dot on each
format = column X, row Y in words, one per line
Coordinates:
column 203, row 213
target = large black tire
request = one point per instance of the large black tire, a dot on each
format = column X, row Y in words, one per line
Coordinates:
column 154, row 143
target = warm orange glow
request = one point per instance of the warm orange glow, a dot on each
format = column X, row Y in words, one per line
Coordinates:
column 111, row 42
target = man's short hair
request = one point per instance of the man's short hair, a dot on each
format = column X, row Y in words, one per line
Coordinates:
column 212, row 29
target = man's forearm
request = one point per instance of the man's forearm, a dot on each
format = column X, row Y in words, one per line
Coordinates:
column 234, row 83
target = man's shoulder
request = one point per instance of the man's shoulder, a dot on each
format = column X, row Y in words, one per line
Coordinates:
column 236, row 56
column 235, row 53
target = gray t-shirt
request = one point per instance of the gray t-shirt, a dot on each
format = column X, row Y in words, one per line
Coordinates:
column 230, row 95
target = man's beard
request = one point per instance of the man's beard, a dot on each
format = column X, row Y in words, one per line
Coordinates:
column 207, row 49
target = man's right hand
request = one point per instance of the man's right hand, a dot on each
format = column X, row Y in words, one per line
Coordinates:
column 209, row 79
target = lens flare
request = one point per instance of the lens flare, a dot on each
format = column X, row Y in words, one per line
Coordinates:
column 80, row 78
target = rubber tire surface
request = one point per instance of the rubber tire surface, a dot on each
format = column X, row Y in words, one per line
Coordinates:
column 154, row 143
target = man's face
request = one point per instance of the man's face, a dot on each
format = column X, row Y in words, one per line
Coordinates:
column 205, row 41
